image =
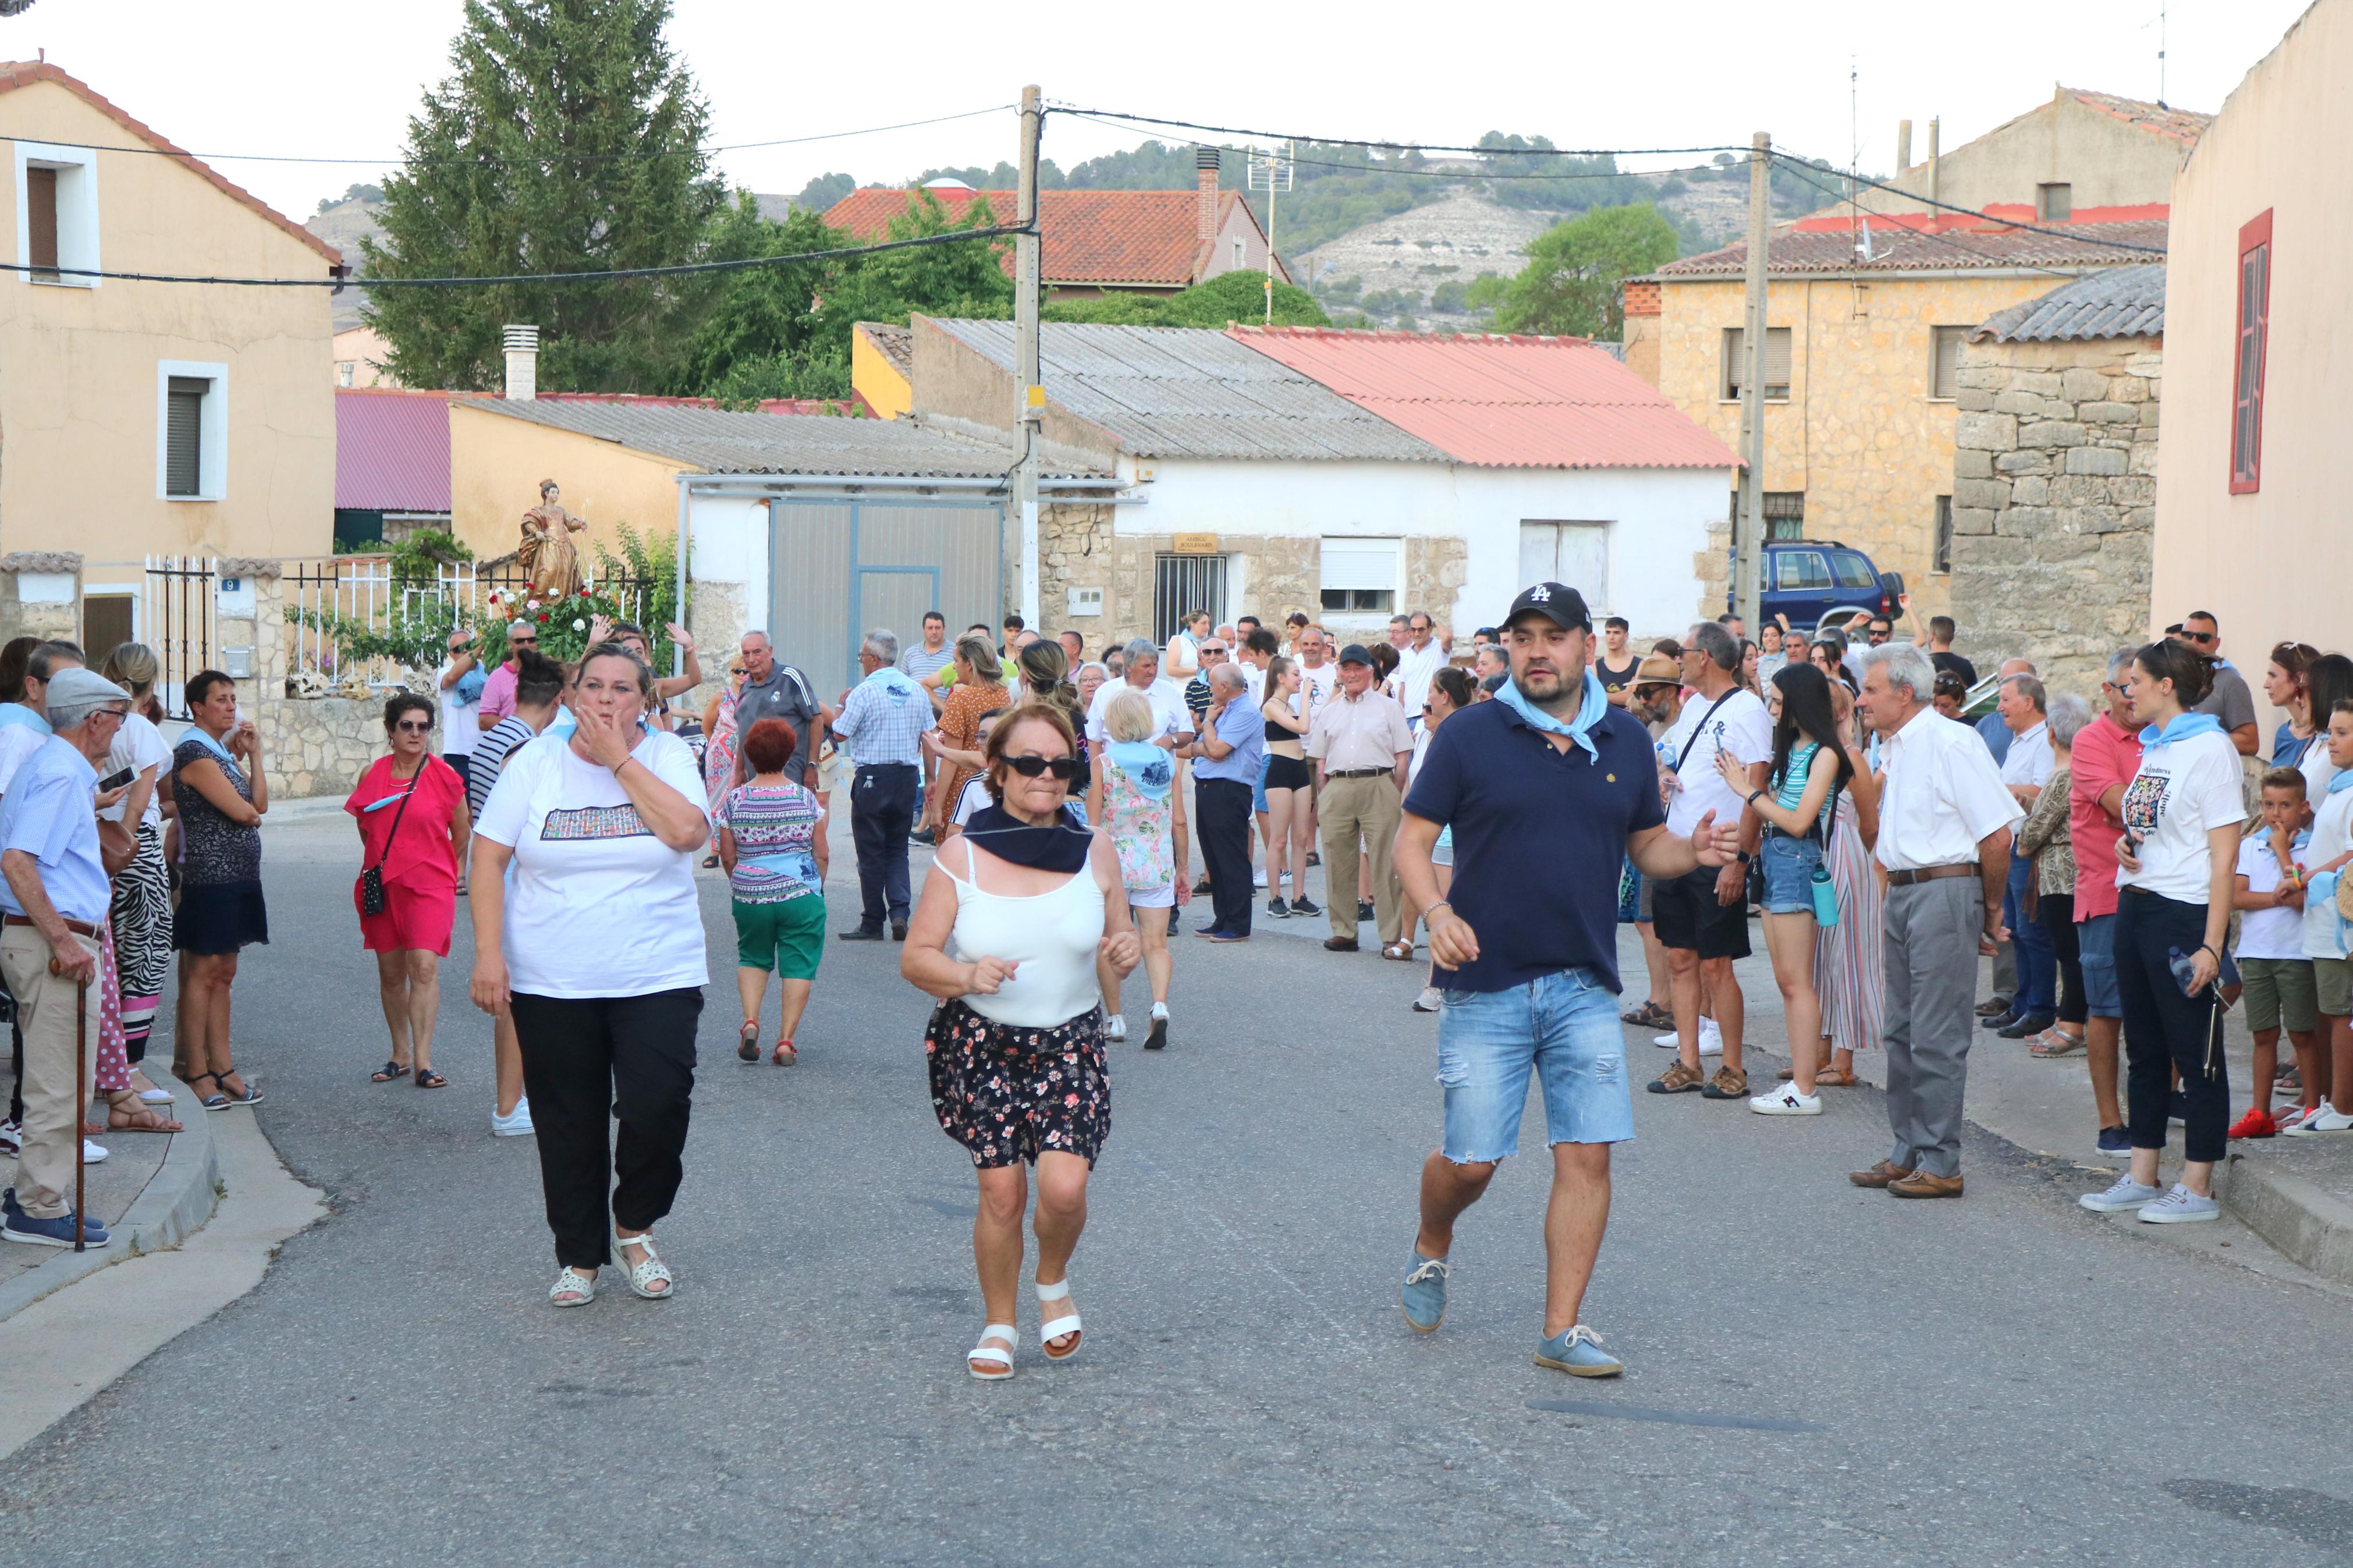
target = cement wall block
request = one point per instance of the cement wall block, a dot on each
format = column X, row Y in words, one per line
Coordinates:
column 2143, row 459
column 2051, row 433
column 2108, row 413
column 2030, row 462
column 2026, row 403
column 2096, row 460
column 2044, row 381
column 1986, row 432
column 2030, row 490
column 1981, row 377
column 1973, row 465
column 2149, row 416
column 1975, row 400
column 1992, row 494
column 2081, row 385
column 2129, row 389
column 2133, row 490
column 1968, row 519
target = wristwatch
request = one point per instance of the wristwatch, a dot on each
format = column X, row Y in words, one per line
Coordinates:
column 1746, row 857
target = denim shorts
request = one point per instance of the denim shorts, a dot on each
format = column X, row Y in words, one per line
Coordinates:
column 1565, row 1027
column 2095, row 945
column 1789, row 873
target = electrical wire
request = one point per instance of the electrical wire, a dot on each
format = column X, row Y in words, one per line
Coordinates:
column 682, row 270
column 1058, row 108
column 2072, row 233
column 1947, row 241
column 404, row 162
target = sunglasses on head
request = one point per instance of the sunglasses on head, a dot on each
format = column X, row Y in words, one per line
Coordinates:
column 1063, row 768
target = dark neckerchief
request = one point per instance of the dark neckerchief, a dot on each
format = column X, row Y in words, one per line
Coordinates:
column 1060, row 845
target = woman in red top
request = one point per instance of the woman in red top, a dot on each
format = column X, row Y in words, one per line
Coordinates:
column 413, row 822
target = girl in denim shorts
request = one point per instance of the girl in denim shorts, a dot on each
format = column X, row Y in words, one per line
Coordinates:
column 1810, row 767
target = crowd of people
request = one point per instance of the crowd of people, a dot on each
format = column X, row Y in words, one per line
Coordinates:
column 2135, row 866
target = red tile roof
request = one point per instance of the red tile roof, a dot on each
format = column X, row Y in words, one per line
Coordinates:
column 1140, row 239
column 2182, row 125
column 1974, row 245
column 392, row 449
column 15, row 74
column 1502, row 402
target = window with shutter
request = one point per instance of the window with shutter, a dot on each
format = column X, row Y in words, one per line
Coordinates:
column 2055, row 203
column 1360, row 576
column 183, row 432
column 2254, row 329
column 1941, row 562
column 41, row 223
column 1945, row 362
column 1777, row 363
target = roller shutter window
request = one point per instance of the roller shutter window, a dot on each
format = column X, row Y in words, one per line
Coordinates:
column 2253, row 330
column 1360, row 576
column 1777, row 363
column 41, row 223
column 1945, row 363
column 184, row 435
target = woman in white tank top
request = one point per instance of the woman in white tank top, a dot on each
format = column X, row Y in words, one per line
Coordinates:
column 1030, row 900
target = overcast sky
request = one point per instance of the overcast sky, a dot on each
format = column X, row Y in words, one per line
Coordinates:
column 298, row 79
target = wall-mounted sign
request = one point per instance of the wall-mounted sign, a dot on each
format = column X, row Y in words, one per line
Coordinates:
column 1193, row 544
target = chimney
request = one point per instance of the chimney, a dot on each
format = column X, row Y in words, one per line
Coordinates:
column 523, row 363
column 1205, row 219
column 1903, row 145
column 1935, row 167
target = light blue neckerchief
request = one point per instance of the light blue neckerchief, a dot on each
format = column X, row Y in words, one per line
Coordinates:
column 16, row 715
column 196, row 733
column 894, row 680
column 2341, row 779
column 1595, row 709
column 2183, row 727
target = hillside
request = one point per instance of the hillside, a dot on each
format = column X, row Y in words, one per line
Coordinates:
column 343, row 224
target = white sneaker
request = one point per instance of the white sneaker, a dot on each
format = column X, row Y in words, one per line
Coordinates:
column 92, row 1154
column 2180, row 1207
column 11, row 1135
column 1786, row 1102
column 1115, row 1028
column 152, row 1095
column 1429, row 1001
column 1258, row 879
column 2325, row 1118
column 2127, row 1194
column 1665, row 1042
column 1711, row 1038
column 515, row 1124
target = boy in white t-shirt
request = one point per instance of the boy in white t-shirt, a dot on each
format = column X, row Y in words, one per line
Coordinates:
column 2326, row 861
column 2275, row 974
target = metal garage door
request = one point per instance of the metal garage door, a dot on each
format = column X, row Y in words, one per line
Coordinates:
column 841, row 568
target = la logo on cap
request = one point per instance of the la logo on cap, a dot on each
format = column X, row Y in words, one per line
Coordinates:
column 1540, row 594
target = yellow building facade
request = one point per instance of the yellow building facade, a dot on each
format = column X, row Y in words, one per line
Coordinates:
column 105, row 375
column 497, row 461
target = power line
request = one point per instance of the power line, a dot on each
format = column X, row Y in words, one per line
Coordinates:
column 404, row 162
column 2071, row 233
column 1951, row 244
column 1452, row 173
column 1408, row 145
column 681, row 270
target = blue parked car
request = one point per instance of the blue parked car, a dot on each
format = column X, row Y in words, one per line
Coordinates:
column 1818, row 581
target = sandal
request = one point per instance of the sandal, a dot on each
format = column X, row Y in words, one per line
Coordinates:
column 137, row 1117
column 1000, row 1359
column 215, row 1101
column 1400, row 951
column 2054, row 1042
column 783, row 1056
column 1834, row 1077
column 247, row 1095
column 389, row 1071
column 427, row 1079
column 747, row 1041
column 1649, row 1015
column 573, row 1287
column 1067, row 1324
column 641, row 1278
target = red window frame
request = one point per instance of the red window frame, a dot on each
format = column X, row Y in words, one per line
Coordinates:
column 2250, row 353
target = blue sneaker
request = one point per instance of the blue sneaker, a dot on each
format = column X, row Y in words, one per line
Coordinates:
column 2116, row 1141
column 1578, row 1352
column 1425, row 1293
column 2124, row 1196
column 57, row 1232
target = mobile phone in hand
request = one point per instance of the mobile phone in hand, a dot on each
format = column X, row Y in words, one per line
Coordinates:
column 117, row 781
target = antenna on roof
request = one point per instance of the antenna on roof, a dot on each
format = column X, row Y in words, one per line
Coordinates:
column 1271, row 171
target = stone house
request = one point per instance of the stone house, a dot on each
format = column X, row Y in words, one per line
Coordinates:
column 2054, row 474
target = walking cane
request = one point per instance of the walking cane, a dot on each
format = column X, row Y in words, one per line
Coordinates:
column 81, row 1101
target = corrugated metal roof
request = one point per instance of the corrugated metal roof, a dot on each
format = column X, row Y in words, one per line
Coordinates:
column 1505, row 402
column 392, row 449
column 725, row 443
column 1191, row 392
column 1898, row 248
column 2128, row 302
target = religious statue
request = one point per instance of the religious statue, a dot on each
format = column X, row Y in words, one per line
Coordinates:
column 548, row 552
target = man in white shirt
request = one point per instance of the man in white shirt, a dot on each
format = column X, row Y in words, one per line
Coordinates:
column 1422, row 656
column 2034, row 1003
column 1945, row 825
column 1703, row 917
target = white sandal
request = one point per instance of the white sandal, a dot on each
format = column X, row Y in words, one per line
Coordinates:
column 573, row 1288
column 642, row 1276
column 985, row 1351
column 1068, row 1323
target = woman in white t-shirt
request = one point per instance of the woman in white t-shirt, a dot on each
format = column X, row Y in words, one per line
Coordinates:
column 609, row 817
column 2177, row 867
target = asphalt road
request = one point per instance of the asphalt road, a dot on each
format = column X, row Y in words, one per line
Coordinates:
column 1816, row 1373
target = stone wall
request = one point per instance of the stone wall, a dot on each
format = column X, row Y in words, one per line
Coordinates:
column 2054, row 503
column 1084, row 548
column 40, row 594
column 318, row 745
column 1434, row 569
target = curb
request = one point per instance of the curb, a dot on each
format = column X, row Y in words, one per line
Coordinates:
column 2309, row 1226
column 176, row 1203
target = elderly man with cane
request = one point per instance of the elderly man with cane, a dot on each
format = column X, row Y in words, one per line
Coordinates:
column 53, row 899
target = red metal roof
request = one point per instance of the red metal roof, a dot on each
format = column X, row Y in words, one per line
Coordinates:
column 1502, row 402
column 1135, row 237
column 392, row 449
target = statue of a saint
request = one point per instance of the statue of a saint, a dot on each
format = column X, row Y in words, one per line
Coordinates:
column 548, row 552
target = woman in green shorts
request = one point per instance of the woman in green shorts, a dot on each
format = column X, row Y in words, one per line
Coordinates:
column 772, row 841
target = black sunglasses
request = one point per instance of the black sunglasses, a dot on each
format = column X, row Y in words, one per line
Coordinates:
column 1063, row 768
column 407, row 727
column 2200, row 637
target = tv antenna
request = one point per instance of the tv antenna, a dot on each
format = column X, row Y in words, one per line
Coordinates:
column 1270, row 171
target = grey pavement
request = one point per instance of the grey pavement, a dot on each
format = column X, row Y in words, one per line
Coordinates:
column 1816, row 1373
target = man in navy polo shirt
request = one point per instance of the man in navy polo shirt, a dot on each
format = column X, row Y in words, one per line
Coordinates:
column 1547, row 787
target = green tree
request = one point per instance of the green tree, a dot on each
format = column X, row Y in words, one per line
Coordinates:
column 1574, row 283
column 960, row 279
column 567, row 137
column 1228, row 297
column 759, row 336
column 820, row 194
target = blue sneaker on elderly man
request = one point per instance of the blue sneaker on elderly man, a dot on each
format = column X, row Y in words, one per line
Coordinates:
column 1425, row 1293
column 59, row 1232
column 1578, row 1352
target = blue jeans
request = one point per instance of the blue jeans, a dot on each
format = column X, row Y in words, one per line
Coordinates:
column 2095, row 947
column 2038, row 964
column 1564, row 1028
column 1788, row 873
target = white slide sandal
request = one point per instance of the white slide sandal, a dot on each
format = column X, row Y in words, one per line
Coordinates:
column 985, row 1351
column 641, row 1278
column 1066, row 1325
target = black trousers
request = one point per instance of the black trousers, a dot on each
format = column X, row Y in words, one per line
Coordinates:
column 584, row 1061
column 2165, row 1029
column 882, row 810
column 1223, row 807
column 2057, row 913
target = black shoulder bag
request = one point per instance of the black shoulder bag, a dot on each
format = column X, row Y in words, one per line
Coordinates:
column 372, row 895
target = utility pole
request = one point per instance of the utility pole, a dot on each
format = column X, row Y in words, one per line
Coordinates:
column 1029, row 389
column 1748, row 534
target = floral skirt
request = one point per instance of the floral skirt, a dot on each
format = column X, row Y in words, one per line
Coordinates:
column 1010, row 1093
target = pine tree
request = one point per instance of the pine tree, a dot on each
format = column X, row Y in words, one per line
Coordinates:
column 567, row 137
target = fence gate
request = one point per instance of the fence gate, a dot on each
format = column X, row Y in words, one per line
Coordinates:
column 839, row 569
column 176, row 616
